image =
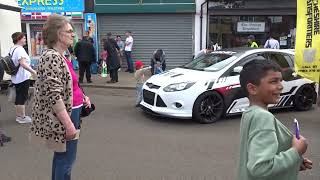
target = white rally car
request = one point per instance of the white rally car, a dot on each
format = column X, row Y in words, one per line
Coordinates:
column 208, row 87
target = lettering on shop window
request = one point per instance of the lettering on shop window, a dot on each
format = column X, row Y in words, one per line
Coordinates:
column 227, row 4
column 41, row 2
column 313, row 21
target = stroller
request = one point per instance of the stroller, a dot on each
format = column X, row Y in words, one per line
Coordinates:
column 158, row 62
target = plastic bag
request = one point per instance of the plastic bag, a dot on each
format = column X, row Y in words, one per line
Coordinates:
column 75, row 64
column 104, row 69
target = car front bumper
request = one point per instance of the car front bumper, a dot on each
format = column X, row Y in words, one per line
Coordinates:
column 170, row 104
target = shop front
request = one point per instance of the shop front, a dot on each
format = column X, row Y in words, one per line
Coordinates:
column 34, row 14
column 155, row 24
column 231, row 22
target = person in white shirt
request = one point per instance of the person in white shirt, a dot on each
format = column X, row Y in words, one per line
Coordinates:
column 272, row 43
column 128, row 50
column 21, row 79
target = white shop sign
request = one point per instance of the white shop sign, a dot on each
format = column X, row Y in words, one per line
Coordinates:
column 251, row 27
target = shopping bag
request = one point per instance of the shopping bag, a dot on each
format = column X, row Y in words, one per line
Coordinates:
column 75, row 64
column 104, row 69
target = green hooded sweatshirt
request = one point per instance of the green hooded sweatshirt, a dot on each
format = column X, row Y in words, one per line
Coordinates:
column 266, row 151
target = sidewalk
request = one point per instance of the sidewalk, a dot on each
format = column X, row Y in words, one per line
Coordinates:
column 126, row 81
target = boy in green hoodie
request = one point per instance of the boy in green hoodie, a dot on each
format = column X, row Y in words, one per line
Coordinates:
column 269, row 151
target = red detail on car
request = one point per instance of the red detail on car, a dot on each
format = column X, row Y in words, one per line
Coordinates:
column 225, row 90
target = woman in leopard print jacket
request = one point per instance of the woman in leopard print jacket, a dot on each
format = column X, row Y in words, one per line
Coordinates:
column 58, row 98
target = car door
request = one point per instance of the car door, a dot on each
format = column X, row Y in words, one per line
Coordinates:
column 289, row 80
column 235, row 99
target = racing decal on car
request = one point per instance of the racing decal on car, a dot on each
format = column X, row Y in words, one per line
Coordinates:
column 176, row 75
column 231, row 106
column 289, row 92
column 224, row 90
column 283, row 101
column 286, row 98
column 221, row 80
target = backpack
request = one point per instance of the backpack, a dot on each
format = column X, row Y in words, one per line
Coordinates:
column 8, row 64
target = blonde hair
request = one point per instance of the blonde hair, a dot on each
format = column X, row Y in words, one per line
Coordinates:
column 51, row 28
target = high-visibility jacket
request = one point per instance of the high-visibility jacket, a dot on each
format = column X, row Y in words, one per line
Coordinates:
column 254, row 45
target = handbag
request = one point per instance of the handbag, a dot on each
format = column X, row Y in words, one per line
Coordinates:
column 86, row 111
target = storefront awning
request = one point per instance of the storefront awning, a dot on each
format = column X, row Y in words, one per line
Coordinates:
column 144, row 6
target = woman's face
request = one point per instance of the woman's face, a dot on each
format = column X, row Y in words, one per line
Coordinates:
column 66, row 35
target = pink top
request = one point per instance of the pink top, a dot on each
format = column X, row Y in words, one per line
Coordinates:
column 77, row 92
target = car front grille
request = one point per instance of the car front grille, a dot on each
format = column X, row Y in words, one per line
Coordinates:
column 148, row 97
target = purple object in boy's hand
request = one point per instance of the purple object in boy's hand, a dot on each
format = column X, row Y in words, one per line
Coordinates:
column 297, row 128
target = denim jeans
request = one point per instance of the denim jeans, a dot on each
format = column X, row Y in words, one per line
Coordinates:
column 139, row 93
column 129, row 60
column 63, row 161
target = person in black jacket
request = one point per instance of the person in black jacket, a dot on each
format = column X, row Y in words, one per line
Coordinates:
column 113, row 62
column 86, row 55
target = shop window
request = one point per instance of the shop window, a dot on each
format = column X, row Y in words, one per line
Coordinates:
column 36, row 39
column 232, row 31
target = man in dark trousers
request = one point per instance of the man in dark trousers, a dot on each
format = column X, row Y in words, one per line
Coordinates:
column 86, row 55
column 112, row 48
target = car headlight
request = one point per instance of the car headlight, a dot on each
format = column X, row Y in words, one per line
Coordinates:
column 178, row 86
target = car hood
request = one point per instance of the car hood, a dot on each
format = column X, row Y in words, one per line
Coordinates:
column 179, row 75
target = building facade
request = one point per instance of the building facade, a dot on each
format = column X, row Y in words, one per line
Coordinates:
column 164, row 24
column 230, row 22
column 10, row 23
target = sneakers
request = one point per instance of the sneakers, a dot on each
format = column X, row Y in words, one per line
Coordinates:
column 23, row 120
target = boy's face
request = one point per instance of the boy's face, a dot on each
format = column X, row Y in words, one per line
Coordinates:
column 269, row 89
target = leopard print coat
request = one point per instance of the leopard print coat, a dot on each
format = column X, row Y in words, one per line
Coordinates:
column 53, row 93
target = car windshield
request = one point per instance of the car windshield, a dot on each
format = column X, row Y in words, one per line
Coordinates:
column 211, row 62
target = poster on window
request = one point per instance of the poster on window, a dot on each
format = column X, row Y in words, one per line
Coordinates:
column 307, row 52
column 91, row 31
column 36, row 39
column 251, row 26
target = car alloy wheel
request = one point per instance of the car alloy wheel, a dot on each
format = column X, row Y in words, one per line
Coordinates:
column 304, row 98
column 209, row 107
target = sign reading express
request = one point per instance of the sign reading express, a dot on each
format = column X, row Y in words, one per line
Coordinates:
column 51, row 5
column 251, row 27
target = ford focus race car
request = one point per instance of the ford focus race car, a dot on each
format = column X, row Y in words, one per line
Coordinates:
column 208, row 87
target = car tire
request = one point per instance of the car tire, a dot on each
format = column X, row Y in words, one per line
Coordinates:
column 304, row 98
column 208, row 108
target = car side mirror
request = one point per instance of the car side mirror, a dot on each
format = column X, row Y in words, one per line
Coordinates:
column 237, row 70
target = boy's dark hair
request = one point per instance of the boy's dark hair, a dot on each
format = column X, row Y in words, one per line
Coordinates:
column 255, row 70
